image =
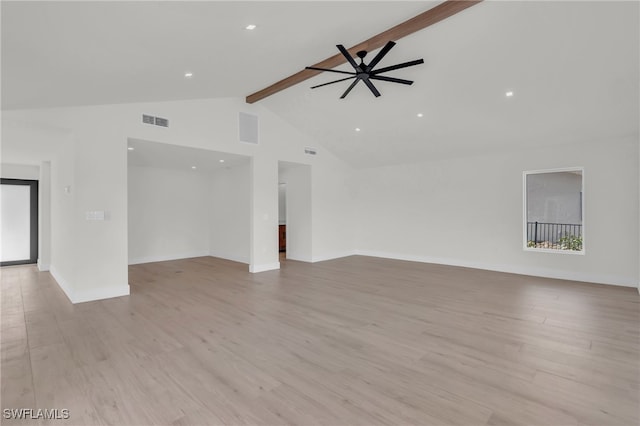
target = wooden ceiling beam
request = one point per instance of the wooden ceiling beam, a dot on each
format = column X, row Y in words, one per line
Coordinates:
column 417, row 23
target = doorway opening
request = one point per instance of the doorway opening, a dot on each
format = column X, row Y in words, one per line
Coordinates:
column 282, row 220
column 294, row 211
column 186, row 202
column 19, row 221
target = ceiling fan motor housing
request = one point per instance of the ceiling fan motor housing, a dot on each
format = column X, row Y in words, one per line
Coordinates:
column 366, row 73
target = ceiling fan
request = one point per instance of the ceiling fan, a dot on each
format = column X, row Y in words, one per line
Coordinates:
column 365, row 72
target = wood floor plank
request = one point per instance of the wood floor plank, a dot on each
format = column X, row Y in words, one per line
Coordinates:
column 352, row 341
column 592, row 405
column 17, row 381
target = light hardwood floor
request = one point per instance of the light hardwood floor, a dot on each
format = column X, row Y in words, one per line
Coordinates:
column 354, row 341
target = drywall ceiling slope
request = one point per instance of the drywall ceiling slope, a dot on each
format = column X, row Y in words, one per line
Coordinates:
column 573, row 68
column 382, row 39
column 89, row 53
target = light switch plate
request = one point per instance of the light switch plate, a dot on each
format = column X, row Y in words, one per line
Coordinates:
column 94, row 215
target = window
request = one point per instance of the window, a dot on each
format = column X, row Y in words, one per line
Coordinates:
column 553, row 210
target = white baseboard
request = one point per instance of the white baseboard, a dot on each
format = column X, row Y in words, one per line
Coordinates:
column 264, row 267
column 521, row 270
column 43, row 267
column 239, row 259
column 293, row 256
column 91, row 294
column 166, row 257
column 62, row 283
column 87, row 295
column 331, row 256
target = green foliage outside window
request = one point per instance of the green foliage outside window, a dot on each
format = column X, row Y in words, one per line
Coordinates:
column 570, row 242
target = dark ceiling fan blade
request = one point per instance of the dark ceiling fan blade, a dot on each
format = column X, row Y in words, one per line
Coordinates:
column 371, row 87
column 335, row 81
column 329, row 70
column 347, row 55
column 387, row 47
column 398, row 66
column 391, row 79
column 349, row 88
column 432, row 16
column 365, row 72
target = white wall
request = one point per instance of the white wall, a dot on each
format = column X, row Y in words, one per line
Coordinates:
column 299, row 210
column 168, row 215
column 64, row 217
column 101, row 246
column 427, row 211
column 229, row 219
column 264, row 215
column 44, row 217
column 19, row 171
column 52, row 148
column 92, row 262
column 468, row 211
column 282, row 203
column 334, row 212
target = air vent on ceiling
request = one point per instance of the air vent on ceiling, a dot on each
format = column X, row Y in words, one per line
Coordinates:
column 162, row 122
column 248, row 128
column 157, row 121
column 310, row 151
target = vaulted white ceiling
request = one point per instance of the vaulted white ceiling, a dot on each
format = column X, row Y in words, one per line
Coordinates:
column 57, row 53
column 573, row 68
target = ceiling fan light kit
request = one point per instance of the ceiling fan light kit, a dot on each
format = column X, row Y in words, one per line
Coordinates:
column 366, row 72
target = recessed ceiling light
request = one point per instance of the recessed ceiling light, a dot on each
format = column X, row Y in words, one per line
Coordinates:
column 509, row 94
column 188, row 74
column 250, row 27
column 357, row 129
column 130, row 148
column 194, row 167
column 420, row 115
column 222, row 161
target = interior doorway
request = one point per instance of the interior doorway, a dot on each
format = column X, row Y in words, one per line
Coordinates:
column 294, row 211
column 19, row 221
column 282, row 220
column 186, row 202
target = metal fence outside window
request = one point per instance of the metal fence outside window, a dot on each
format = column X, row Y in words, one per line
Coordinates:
column 559, row 236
